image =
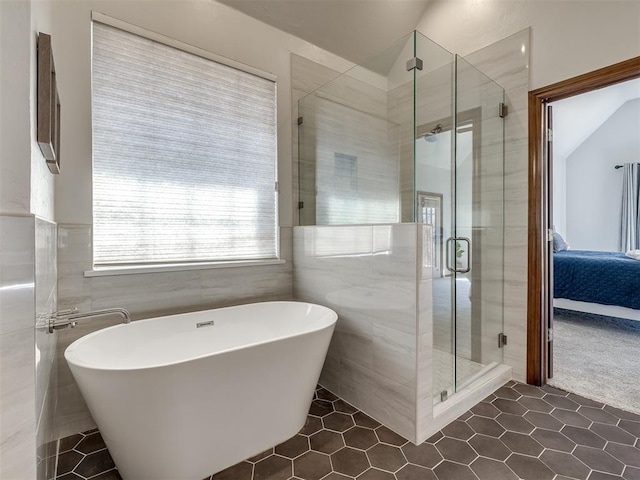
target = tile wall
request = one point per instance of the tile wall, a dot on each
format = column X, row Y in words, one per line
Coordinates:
column 45, row 346
column 367, row 274
column 306, row 76
column 323, row 273
column 27, row 374
column 17, row 313
column 345, row 121
column 507, row 63
column 348, row 162
column 434, row 105
column 145, row 296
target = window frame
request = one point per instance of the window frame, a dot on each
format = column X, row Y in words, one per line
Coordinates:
column 195, row 264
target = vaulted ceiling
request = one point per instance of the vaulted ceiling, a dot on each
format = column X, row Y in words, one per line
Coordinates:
column 359, row 29
column 576, row 118
column 352, row 29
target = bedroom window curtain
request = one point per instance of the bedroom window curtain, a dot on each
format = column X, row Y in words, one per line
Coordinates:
column 630, row 225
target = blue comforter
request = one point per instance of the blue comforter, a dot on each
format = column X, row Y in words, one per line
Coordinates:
column 609, row 278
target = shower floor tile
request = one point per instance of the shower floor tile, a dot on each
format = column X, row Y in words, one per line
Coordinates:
column 528, row 438
column 443, row 370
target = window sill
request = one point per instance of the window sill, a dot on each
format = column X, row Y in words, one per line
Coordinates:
column 179, row 267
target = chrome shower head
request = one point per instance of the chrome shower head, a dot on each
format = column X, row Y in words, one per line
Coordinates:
column 430, row 136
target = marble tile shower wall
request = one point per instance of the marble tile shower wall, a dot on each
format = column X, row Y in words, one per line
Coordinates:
column 367, row 274
column 507, row 63
column 306, row 76
column 46, row 253
column 345, row 121
column 147, row 295
column 27, row 351
column 424, row 337
column 17, row 349
column 434, row 103
column 350, row 369
column 477, row 90
column 340, row 192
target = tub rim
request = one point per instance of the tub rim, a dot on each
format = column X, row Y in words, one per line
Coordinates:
column 87, row 366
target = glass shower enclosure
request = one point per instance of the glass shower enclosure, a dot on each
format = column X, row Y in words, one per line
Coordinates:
column 414, row 135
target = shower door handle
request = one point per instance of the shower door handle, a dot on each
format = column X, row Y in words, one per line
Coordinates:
column 448, row 249
column 449, row 254
column 468, row 242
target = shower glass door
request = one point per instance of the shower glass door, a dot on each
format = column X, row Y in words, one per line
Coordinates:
column 459, row 155
column 434, row 173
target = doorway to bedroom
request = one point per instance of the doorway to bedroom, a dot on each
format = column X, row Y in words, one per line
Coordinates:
column 590, row 280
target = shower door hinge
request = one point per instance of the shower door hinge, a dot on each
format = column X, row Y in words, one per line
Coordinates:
column 444, row 395
column 277, row 185
column 502, row 340
column 414, row 62
column 550, row 335
column 549, row 135
column 300, row 205
column 549, row 235
column 300, row 120
column 503, row 110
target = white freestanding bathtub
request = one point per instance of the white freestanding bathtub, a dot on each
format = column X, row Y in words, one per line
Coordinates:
column 176, row 401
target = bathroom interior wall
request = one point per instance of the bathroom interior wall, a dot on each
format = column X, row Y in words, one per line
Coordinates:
column 208, row 25
column 144, row 296
column 562, row 41
column 348, row 167
column 507, row 63
column 367, row 274
column 27, row 255
column 213, row 27
column 46, row 286
column 356, row 182
column 45, row 346
column 15, row 55
column 17, row 349
column 320, row 268
column 27, row 349
column 306, row 76
column 434, row 104
column 42, row 180
column 482, row 206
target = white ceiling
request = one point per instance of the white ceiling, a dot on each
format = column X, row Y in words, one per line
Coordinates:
column 352, row 29
column 360, row 30
column 576, row 118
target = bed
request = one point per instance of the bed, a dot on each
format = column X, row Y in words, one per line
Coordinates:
column 605, row 283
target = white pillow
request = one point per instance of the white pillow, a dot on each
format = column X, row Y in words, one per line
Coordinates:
column 635, row 254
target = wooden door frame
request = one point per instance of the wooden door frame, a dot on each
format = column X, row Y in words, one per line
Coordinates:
column 538, row 250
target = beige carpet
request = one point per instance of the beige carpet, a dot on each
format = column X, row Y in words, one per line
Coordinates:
column 597, row 357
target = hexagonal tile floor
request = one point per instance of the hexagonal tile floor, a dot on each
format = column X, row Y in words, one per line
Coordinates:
column 518, row 432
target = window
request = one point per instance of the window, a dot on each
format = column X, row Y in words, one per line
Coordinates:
column 184, row 155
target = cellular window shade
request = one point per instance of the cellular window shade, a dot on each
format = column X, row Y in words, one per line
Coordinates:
column 184, row 155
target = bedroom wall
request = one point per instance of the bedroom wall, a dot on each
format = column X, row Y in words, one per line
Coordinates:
column 594, row 186
column 560, row 194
